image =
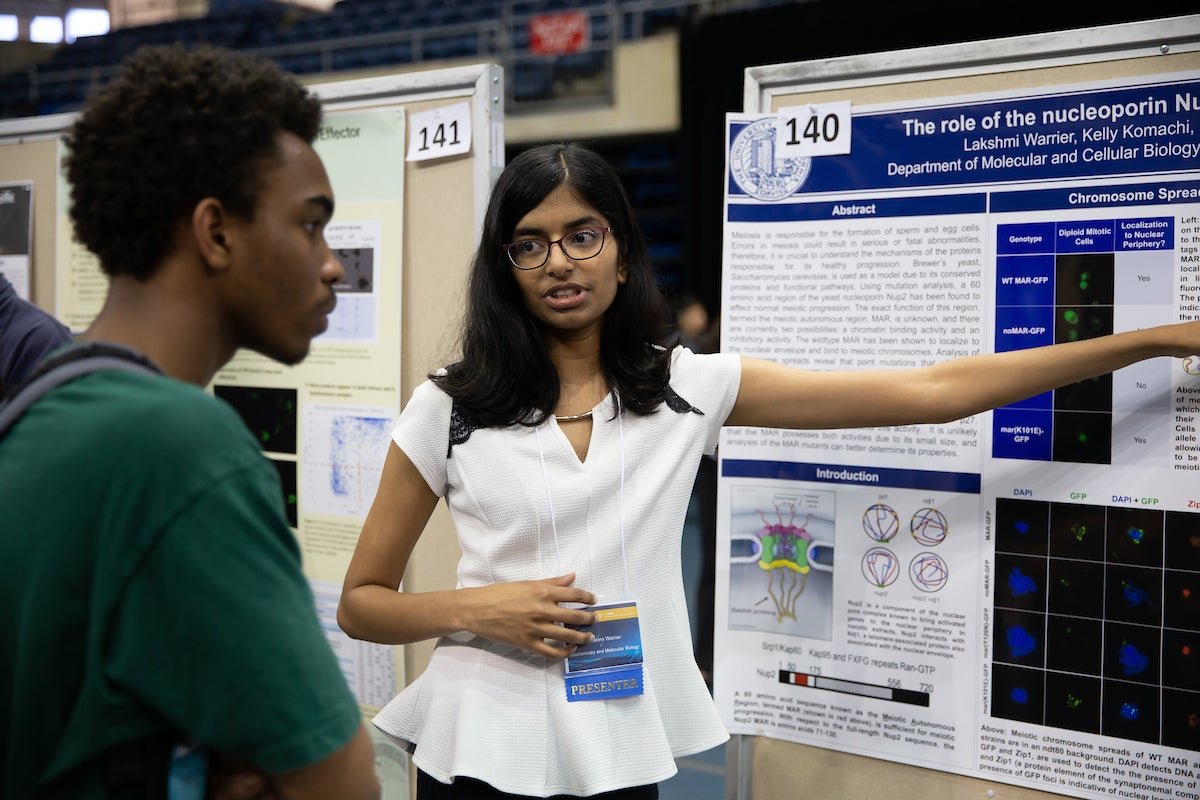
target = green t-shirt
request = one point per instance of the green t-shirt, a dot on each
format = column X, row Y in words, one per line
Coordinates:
column 148, row 582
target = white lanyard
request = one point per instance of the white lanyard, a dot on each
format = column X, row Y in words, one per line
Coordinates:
column 620, row 497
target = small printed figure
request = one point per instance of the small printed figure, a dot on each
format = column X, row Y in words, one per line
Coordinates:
column 785, row 547
column 929, row 526
column 881, row 522
column 880, row 567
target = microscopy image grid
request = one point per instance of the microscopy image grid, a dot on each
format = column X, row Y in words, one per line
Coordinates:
column 1097, row 620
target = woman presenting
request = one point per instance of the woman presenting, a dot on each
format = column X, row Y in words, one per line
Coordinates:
column 566, row 441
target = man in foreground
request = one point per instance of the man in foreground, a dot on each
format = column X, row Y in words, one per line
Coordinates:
column 150, row 588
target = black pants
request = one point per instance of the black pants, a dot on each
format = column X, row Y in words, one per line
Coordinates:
column 705, row 491
column 470, row 789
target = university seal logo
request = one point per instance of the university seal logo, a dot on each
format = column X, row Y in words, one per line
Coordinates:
column 757, row 171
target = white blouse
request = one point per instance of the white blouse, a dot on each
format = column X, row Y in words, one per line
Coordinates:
column 499, row 714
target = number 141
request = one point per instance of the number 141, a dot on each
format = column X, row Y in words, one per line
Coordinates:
column 439, row 136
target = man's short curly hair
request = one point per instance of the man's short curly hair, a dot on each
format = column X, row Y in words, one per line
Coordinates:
column 174, row 127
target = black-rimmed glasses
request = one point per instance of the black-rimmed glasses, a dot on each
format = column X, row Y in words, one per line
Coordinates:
column 577, row 245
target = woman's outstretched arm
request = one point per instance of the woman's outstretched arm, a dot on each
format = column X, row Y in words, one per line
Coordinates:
column 775, row 396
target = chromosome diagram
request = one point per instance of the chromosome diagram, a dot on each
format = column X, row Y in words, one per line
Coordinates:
column 928, row 572
column 928, row 526
column 881, row 522
column 881, row 566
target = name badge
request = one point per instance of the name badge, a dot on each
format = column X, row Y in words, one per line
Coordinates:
column 610, row 665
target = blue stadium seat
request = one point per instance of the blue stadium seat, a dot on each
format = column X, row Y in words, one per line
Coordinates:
column 254, row 24
column 460, row 45
column 532, row 79
column 300, row 63
column 581, row 64
column 375, row 55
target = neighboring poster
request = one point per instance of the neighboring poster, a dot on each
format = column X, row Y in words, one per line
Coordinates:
column 16, row 234
column 80, row 284
column 1013, row 596
column 325, row 423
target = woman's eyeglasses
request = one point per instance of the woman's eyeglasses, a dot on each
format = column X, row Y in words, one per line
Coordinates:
column 577, row 245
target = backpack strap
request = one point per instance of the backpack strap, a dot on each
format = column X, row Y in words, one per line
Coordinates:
column 72, row 363
column 140, row 765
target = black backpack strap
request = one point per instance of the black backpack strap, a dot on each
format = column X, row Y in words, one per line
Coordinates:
column 66, row 366
column 141, row 765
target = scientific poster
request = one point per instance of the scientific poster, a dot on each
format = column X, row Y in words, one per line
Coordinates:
column 325, row 423
column 16, row 234
column 1013, row 596
column 80, row 285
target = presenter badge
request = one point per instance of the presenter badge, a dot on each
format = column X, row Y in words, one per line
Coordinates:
column 610, row 665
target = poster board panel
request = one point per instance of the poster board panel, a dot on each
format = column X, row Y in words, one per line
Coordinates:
column 29, row 152
column 443, row 212
column 405, row 232
column 833, row 775
column 851, row 686
column 1107, row 52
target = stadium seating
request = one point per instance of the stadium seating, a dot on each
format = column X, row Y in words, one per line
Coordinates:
column 360, row 35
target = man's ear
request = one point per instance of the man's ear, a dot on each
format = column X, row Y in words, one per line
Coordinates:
column 210, row 228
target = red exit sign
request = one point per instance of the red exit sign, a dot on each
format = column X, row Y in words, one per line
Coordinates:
column 561, row 32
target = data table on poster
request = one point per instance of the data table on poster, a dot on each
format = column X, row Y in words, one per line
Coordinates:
column 1066, row 281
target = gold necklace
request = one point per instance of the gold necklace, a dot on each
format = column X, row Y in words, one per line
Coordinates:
column 572, row 417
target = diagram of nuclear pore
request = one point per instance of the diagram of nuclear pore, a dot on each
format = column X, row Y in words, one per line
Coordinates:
column 781, row 561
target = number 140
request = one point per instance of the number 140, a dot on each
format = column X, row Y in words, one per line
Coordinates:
column 816, row 129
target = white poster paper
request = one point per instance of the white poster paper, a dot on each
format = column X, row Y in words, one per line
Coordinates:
column 1013, row 596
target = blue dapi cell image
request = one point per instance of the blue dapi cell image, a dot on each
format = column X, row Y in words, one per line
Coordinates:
column 1019, row 637
column 1022, row 526
column 1132, row 653
column 1017, row 693
column 1020, row 584
column 1020, row 642
column 1133, row 661
column 1133, row 594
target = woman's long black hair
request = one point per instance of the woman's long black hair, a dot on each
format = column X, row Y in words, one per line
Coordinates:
column 505, row 375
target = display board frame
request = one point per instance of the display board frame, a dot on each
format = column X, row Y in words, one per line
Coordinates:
column 767, row 768
column 443, row 205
